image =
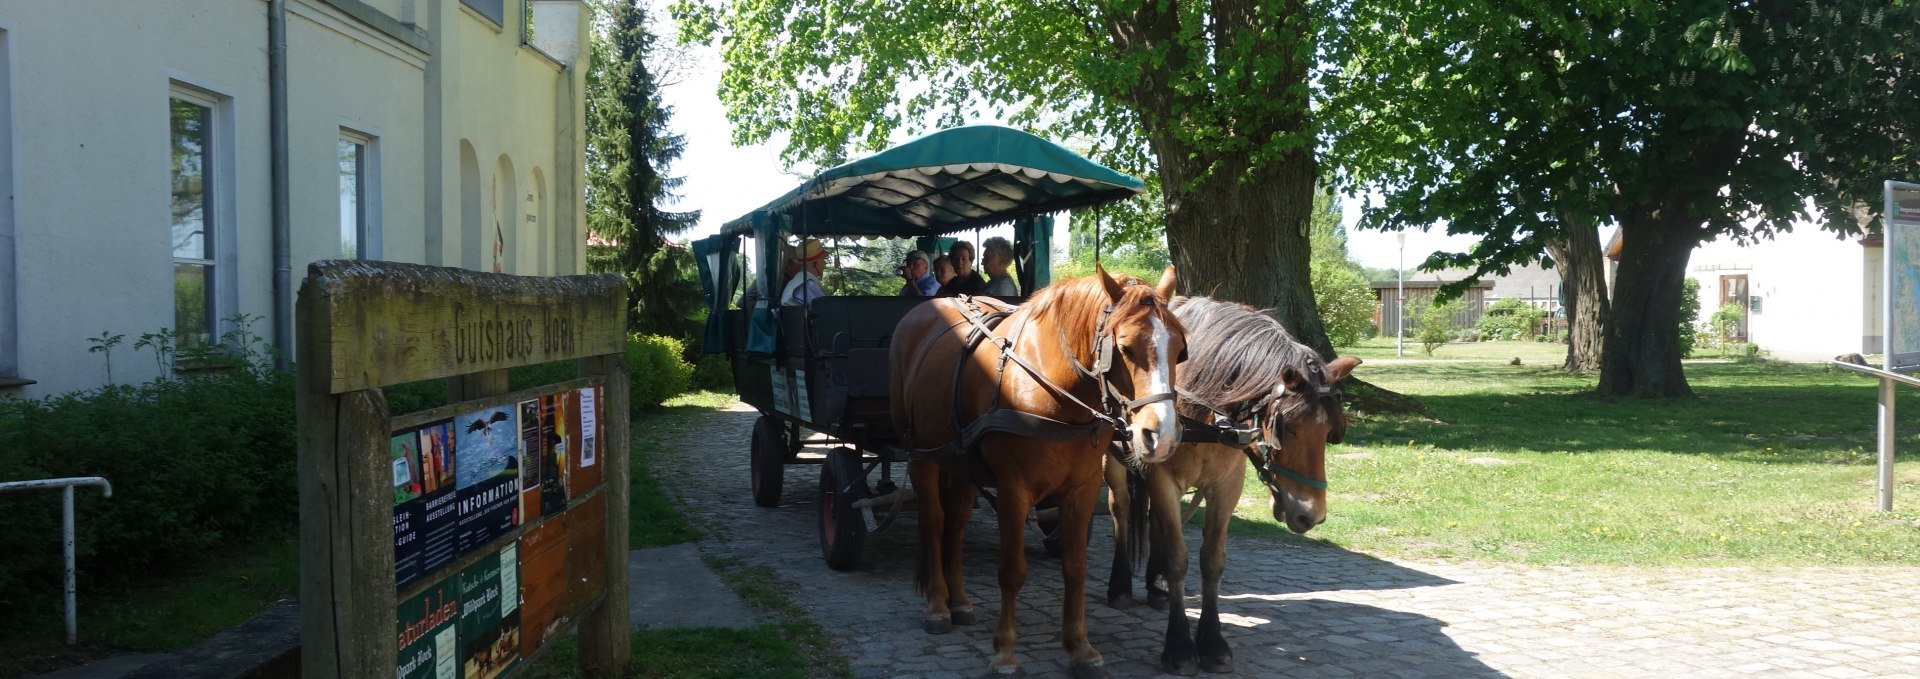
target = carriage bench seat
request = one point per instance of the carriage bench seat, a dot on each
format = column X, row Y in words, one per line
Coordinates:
column 844, row 323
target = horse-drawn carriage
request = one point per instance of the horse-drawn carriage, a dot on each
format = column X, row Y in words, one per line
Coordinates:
column 1029, row 395
column 822, row 367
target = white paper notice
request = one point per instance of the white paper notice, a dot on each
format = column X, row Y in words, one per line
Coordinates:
column 588, row 452
column 509, row 579
column 446, row 663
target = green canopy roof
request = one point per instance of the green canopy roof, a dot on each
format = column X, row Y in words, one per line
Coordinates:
column 947, row 181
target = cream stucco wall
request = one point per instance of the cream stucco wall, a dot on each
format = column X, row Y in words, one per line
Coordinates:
column 1813, row 288
column 88, row 97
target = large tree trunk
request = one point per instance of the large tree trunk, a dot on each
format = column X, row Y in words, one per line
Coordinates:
column 1643, row 329
column 1583, row 281
column 1248, row 241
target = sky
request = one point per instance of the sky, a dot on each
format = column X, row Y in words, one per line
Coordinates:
column 724, row 181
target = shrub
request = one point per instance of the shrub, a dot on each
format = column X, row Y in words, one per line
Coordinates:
column 714, row 372
column 1689, row 314
column 1433, row 324
column 657, row 369
column 1725, row 323
column 1511, row 319
column 195, row 462
column 1345, row 303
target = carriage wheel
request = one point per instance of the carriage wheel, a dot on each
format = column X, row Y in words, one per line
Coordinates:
column 767, row 466
column 843, row 531
column 1049, row 530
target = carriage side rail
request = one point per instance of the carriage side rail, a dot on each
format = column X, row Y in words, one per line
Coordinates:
column 66, row 486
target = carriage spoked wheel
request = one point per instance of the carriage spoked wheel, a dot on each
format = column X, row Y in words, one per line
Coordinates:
column 1049, row 529
column 843, row 531
column 767, row 460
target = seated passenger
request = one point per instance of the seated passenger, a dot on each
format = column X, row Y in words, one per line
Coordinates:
column 965, row 280
column 995, row 255
column 942, row 271
column 920, row 282
column 805, row 286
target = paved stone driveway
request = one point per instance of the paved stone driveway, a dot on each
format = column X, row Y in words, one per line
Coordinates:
column 1293, row 610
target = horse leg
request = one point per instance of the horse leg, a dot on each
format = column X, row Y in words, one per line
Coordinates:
column 1012, row 506
column 1076, row 515
column 1120, row 578
column 927, row 478
column 959, row 496
column 1215, row 655
column 1170, row 559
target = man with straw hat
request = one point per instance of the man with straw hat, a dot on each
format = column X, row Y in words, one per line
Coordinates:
column 805, row 286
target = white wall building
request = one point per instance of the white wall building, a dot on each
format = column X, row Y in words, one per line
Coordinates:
column 1812, row 294
column 137, row 150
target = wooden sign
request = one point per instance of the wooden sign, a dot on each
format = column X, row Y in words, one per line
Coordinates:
column 389, row 323
column 508, row 510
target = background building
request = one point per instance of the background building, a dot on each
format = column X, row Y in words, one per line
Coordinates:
column 137, row 147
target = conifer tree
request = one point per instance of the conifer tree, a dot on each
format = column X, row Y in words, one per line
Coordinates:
column 629, row 149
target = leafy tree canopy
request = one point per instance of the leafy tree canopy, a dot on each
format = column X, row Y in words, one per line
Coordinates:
column 1501, row 119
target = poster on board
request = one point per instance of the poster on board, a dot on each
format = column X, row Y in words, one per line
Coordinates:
column 487, row 453
column 490, row 615
column 1901, row 314
column 430, row 522
column 427, row 629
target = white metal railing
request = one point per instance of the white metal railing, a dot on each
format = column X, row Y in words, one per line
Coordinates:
column 66, row 486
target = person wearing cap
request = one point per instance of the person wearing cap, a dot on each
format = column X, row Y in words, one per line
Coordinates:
column 805, row 286
column 920, row 282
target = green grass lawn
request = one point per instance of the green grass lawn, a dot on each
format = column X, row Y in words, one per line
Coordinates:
column 1769, row 464
column 1530, row 353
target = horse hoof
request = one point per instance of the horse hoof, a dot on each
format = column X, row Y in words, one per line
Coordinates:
column 1184, row 667
column 1158, row 600
column 1089, row 670
column 1217, row 665
column 1004, row 672
column 938, row 625
column 1122, row 601
column 964, row 616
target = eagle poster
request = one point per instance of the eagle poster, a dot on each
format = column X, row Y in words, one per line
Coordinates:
column 488, row 454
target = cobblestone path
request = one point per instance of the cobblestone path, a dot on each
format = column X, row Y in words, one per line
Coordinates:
column 1301, row 610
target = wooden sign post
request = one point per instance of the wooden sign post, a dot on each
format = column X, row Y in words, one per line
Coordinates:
column 455, row 542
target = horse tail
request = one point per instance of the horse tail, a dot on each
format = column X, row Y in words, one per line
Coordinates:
column 1139, row 504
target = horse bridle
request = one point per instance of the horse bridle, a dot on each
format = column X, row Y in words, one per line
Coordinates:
column 1252, row 440
column 1119, row 409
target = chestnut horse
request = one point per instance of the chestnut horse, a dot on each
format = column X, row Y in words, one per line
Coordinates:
column 1246, row 371
column 1094, row 352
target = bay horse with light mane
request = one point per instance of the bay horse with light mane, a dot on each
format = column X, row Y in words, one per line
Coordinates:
column 1246, row 372
column 970, row 378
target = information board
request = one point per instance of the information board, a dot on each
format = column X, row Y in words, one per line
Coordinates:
column 507, row 508
column 1901, row 277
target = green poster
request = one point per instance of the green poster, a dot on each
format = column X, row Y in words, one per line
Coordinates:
column 490, row 615
column 427, row 626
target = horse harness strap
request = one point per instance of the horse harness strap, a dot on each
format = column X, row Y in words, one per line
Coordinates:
column 997, row 419
column 1249, row 439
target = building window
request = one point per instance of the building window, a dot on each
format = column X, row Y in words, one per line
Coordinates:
column 491, row 9
column 194, row 215
column 355, row 233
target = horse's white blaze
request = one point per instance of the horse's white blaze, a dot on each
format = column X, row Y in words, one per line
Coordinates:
column 1162, row 383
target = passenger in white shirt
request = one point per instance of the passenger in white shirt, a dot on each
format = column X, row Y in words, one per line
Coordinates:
column 805, row 286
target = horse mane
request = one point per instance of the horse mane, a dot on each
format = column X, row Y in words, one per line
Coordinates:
column 1236, row 354
column 1086, row 296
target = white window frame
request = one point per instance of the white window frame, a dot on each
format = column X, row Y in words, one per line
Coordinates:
column 370, row 231
column 224, row 263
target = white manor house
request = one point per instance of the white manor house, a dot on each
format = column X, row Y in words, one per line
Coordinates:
column 155, row 180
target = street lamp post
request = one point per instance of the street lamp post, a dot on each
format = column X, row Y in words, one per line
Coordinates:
column 1400, row 299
